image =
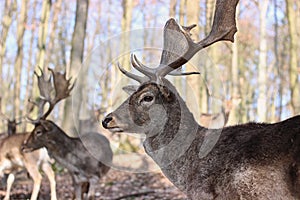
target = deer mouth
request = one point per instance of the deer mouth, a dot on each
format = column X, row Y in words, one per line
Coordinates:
column 25, row 149
column 115, row 129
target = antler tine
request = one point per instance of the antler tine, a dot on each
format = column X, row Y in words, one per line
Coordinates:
column 140, row 79
column 151, row 71
column 62, row 86
column 130, row 75
column 45, row 86
column 223, row 28
column 62, row 90
column 40, row 105
column 183, row 73
column 141, row 67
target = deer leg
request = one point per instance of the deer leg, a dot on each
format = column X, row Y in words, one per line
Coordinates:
column 51, row 176
column 77, row 194
column 78, row 191
column 92, row 189
column 10, row 181
column 37, row 179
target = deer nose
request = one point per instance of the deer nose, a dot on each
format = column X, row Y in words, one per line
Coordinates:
column 106, row 120
column 23, row 146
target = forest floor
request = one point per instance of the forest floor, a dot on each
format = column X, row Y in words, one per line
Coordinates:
column 115, row 185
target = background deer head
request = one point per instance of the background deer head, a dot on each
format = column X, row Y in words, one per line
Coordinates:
column 52, row 90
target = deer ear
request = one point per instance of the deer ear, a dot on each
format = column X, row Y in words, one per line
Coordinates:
column 130, row 89
column 167, row 94
column 47, row 125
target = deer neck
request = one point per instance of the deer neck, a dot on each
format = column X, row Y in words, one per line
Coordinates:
column 58, row 138
column 172, row 140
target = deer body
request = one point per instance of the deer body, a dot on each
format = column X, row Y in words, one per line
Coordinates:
column 250, row 161
column 84, row 157
column 12, row 160
column 72, row 154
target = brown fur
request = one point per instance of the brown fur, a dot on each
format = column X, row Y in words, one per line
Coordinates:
column 12, row 159
column 248, row 161
column 86, row 158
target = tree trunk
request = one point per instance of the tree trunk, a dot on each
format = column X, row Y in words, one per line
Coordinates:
column 178, row 82
column 172, row 11
column 9, row 8
column 30, row 68
column 209, row 10
column 193, row 82
column 291, row 8
column 262, row 66
column 234, row 114
column 127, row 6
column 278, row 66
column 50, row 51
column 43, row 30
column 72, row 108
column 19, row 59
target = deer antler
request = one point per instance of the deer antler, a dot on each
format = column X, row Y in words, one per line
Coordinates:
column 147, row 71
column 60, row 84
column 178, row 46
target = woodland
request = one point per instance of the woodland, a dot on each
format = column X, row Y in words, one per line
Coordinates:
column 88, row 38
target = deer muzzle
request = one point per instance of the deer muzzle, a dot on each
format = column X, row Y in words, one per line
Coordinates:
column 25, row 149
column 109, row 122
column 106, row 121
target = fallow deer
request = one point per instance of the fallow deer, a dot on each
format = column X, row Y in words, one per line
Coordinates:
column 247, row 161
column 11, row 123
column 75, row 154
column 12, row 159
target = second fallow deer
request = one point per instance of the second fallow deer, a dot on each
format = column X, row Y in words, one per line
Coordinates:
column 247, row 161
column 11, row 123
column 12, row 159
column 87, row 158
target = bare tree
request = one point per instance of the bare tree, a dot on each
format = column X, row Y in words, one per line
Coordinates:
column 19, row 58
column 43, row 31
column 193, row 83
column 262, row 67
column 234, row 116
column 172, row 11
column 291, row 9
column 9, row 8
column 76, row 58
column 53, row 32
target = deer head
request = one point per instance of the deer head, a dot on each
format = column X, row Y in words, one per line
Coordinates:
column 52, row 90
column 156, row 103
column 11, row 123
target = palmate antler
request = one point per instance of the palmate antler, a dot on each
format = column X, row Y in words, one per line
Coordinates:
column 57, row 83
column 178, row 47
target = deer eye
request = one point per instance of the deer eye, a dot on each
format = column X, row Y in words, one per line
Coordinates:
column 38, row 132
column 148, row 98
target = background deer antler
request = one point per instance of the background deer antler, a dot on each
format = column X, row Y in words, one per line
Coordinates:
column 58, row 84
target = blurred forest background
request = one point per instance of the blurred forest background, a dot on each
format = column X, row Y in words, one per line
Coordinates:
column 262, row 67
